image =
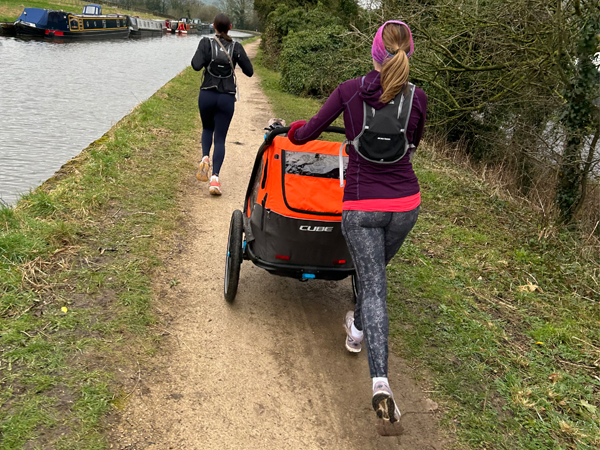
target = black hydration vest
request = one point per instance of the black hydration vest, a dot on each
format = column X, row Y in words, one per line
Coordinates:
column 220, row 65
column 383, row 136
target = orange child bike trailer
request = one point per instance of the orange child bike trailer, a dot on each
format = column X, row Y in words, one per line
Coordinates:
column 291, row 222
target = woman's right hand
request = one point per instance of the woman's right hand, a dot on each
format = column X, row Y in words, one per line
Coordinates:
column 293, row 127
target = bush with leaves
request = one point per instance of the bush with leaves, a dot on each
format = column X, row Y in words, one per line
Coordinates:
column 285, row 20
column 310, row 61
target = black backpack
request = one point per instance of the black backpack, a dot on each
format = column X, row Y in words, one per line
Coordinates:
column 221, row 64
column 383, row 136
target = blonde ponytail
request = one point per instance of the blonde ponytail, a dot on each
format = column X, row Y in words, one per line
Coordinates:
column 395, row 70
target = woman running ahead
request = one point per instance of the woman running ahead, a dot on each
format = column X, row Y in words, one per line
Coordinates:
column 381, row 200
column 218, row 56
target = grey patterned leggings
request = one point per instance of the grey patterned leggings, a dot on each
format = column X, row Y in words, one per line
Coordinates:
column 373, row 239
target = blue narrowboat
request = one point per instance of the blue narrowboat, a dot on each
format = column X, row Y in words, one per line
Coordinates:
column 60, row 24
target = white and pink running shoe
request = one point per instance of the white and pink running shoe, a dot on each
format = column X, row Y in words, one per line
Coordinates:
column 215, row 186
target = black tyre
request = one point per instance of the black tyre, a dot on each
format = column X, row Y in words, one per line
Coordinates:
column 354, row 288
column 233, row 260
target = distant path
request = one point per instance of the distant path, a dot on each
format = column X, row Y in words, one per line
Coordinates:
column 270, row 371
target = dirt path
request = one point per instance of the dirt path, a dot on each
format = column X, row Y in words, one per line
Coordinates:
column 271, row 370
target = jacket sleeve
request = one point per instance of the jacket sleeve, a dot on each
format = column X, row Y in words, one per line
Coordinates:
column 422, row 99
column 332, row 108
column 243, row 60
column 202, row 56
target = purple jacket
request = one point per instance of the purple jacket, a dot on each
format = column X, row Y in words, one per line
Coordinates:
column 365, row 179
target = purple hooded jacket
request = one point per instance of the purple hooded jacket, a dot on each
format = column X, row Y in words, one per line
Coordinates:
column 366, row 180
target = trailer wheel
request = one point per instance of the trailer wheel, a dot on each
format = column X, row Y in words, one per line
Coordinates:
column 233, row 259
column 354, row 288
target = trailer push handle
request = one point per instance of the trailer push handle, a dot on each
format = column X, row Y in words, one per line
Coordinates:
column 283, row 130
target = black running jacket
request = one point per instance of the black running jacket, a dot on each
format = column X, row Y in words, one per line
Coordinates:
column 203, row 57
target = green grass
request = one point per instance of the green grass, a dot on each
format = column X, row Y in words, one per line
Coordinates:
column 502, row 317
column 251, row 40
column 10, row 10
column 76, row 260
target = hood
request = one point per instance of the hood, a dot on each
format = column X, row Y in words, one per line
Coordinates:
column 371, row 90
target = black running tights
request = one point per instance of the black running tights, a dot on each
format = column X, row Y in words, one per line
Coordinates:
column 216, row 111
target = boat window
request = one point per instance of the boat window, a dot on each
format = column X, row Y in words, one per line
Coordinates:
column 91, row 9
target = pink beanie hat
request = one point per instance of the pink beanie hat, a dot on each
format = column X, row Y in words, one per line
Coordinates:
column 379, row 52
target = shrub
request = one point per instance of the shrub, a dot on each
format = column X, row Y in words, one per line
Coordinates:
column 285, row 20
column 312, row 61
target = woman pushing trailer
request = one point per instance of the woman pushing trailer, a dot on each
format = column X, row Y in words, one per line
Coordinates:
column 384, row 116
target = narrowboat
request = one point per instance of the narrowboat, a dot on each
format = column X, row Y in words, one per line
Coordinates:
column 146, row 27
column 7, row 29
column 91, row 24
column 183, row 27
column 172, row 26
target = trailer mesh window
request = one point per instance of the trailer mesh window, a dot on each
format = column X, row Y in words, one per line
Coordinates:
column 314, row 164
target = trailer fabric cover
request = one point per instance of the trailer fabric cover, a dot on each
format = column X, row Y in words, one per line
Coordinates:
column 302, row 181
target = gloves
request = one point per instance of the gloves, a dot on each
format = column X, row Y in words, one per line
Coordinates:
column 293, row 127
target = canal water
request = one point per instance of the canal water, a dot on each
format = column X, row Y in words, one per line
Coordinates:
column 57, row 98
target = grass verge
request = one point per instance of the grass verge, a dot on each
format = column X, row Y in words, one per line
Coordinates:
column 76, row 259
column 10, row 10
column 251, row 40
column 500, row 315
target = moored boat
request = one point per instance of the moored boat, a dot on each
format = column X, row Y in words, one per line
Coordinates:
column 200, row 28
column 172, row 26
column 183, row 26
column 146, row 27
column 7, row 29
column 91, row 24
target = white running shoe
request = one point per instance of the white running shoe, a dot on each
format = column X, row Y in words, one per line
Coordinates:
column 353, row 345
column 204, row 169
column 383, row 402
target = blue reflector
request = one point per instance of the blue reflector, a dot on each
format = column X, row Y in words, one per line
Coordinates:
column 308, row 276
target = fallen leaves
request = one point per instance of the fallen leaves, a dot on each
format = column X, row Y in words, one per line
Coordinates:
column 529, row 287
column 555, row 377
